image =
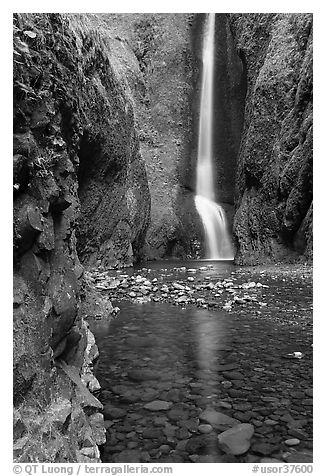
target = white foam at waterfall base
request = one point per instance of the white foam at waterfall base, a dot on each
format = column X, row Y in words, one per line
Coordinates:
column 217, row 238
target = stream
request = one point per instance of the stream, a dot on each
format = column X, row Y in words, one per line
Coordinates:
column 169, row 366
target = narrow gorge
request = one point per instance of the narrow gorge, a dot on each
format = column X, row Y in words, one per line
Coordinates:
column 129, row 346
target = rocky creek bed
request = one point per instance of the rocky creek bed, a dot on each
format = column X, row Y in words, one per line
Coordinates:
column 206, row 362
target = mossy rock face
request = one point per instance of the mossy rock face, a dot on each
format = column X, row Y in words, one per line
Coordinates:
column 76, row 162
column 274, row 179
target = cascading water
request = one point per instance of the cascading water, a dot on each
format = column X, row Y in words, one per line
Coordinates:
column 219, row 246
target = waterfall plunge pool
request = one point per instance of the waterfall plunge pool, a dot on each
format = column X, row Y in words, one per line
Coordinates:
column 193, row 360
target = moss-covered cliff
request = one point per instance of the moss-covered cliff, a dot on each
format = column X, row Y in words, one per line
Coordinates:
column 77, row 172
column 273, row 220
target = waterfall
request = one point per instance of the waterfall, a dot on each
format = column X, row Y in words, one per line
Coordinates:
column 218, row 242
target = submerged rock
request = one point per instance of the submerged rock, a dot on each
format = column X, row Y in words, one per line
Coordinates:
column 218, row 420
column 157, row 405
column 292, row 442
column 127, row 456
column 236, row 440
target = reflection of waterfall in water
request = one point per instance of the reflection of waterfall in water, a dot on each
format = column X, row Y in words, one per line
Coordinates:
column 218, row 243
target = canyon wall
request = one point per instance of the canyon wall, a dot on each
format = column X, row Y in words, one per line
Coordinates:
column 165, row 89
column 75, row 148
column 273, row 219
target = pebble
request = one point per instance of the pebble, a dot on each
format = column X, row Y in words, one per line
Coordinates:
column 198, row 444
column 152, row 433
column 127, row 456
column 296, row 433
column 112, row 413
column 292, row 442
column 165, row 449
column 242, row 406
column 158, row 405
column 299, row 457
column 205, row 428
column 270, row 422
column 218, row 420
column 177, row 414
column 264, row 449
column 236, row 440
column 226, row 405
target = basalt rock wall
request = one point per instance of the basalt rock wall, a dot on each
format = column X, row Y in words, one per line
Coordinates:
column 79, row 182
column 273, row 219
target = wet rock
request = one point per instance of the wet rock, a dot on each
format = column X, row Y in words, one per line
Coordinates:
column 309, row 392
column 296, row 433
column 181, row 445
column 182, row 434
column 225, row 367
column 128, row 456
column 149, row 395
column 251, row 458
column 264, row 449
column 165, row 449
column 299, row 457
column 182, row 299
column 172, row 458
column 174, row 395
column 233, row 375
column 308, row 402
column 206, row 459
column 191, row 425
column 225, row 405
column 238, row 300
column 200, row 444
column 177, row 414
column 292, row 442
column 91, row 382
column 152, row 433
column 235, row 393
column 236, row 440
column 242, row 416
column 218, row 420
column 96, row 422
column 205, row 428
column 178, row 286
column 242, row 406
column 270, row 422
column 88, row 455
column 108, row 424
column 158, row 405
column 159, row 421
column 169, row 430
column 112, row 413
